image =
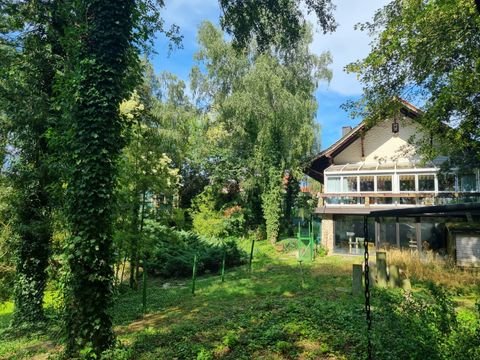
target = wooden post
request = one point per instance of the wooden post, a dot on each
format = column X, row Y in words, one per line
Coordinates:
column 251, row 256
column 301, row 273
column 357, row 279
column 381, row 269
column 372, row 275
column 394, row 276
column 406, row 285
column 194, row 273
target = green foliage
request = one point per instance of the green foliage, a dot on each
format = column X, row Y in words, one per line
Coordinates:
column 101, row 71
column 278, row 21
column 170, row 252
column 253, row 316
column 304, row 205
column 28, row 63
column 206, row 220
column 213, row 224
column 427, row 52
column 272, row 205
column 7, row 244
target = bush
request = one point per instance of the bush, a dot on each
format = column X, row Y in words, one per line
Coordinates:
column 171, row 252
column 211, row 223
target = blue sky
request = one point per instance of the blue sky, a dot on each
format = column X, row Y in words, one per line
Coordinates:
column 346, row 45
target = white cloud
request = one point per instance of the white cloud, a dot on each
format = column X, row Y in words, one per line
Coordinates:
column 347, row 44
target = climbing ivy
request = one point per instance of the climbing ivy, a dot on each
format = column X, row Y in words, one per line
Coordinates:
column 28, row 64
column 272, row 204
column 100, row 56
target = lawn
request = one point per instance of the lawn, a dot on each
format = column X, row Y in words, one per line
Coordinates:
column 271, row 314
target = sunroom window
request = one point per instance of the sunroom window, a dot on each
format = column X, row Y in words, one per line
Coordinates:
column 407, row 182
column 384, row 183
column 366, row 183
column 468, row 182
column 333, row 184
column 446, row 182
column 426, row 183
column 350, row 184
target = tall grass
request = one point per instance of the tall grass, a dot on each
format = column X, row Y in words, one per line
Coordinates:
column 429, row 266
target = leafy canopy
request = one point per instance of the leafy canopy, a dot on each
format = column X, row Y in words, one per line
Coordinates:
column 427, row 52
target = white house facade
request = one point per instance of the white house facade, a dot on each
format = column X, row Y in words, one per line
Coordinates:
column 379, row 168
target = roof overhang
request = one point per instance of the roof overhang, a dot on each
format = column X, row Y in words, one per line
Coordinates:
column 452, row 210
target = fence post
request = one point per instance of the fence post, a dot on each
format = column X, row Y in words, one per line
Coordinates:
column 301, row 273
column 382, row 269
column 223, row 265
column 357, row 279
column 251, row 256
column 194, row 273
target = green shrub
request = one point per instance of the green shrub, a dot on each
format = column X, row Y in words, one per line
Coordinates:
column 206, row 220
column 171, row 252
column 322, row 251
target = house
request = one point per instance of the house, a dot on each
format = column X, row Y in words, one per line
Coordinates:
column 379, row 168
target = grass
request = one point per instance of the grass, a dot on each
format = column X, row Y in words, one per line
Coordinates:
column 266, row 314
column 430, row 267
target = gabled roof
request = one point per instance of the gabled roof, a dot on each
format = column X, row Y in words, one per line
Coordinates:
column 324, row 159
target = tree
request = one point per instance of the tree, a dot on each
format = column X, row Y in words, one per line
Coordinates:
column 98, row 46
column 145, row 175
column 272, row 21
column 29, row 61
column 427, row 52
column 101, row 69
column 262, row 109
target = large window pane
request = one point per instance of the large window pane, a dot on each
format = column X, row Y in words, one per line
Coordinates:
column 408, row 237
column 348, row 228
column 388, row 233
column 467, row 182
column 350, row 184
column 433, row 234
column 384, row 183
column 333, row 184
column 426, row 183
column 446, row 182
column 366, row 183
column 407, row 182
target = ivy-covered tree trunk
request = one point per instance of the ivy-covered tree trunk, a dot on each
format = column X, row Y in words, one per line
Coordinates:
column 134, row 242
column 27, row 71
column 272, row 204
column 292, row 190
column 99, row 54
column 32, row 254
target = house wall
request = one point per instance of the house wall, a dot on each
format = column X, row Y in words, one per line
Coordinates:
column 380, row 144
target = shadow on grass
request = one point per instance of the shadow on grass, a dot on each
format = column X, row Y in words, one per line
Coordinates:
column 267, row 313
column 270, row 315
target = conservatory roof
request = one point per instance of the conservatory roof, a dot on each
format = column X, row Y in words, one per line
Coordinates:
column 380, row 167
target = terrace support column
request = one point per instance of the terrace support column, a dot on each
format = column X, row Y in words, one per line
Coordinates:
column 377, row 233
column 328, row 232
column 397, row 232
column 418, row 233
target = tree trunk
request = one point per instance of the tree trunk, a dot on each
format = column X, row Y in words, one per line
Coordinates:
column 99, row 56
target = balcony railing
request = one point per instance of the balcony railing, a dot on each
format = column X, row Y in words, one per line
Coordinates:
column 397, row 199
